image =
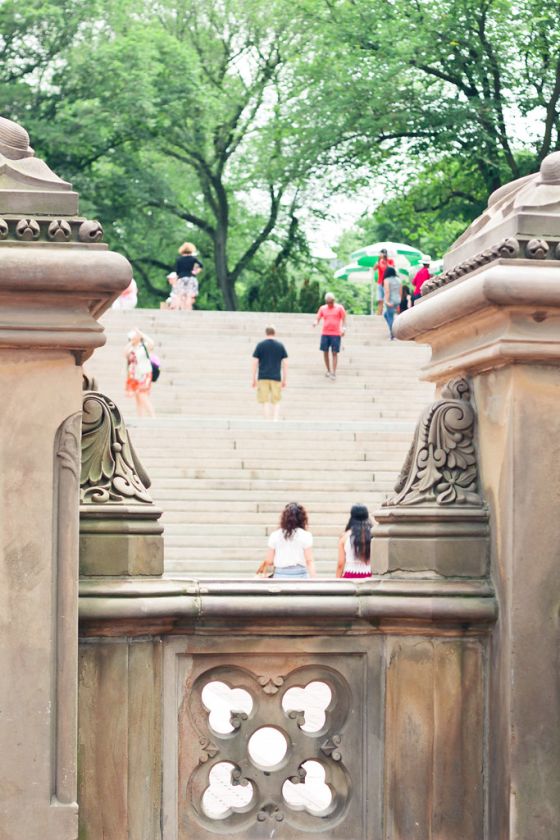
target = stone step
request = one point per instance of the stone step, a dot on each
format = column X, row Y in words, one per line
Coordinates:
column 192, row 496
column 282, row 488
column 233, row 530
column 237, row 543
column 221, row 474
column 230, row 467
column 249, row 512
column 290, row 476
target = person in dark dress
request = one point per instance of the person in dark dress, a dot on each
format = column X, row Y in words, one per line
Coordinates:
column 187, row 267
column 270, row 370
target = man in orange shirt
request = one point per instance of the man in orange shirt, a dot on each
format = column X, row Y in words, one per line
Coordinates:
column 333, row 316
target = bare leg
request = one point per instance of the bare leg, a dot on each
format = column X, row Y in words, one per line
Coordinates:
column 139, row 406
column 326, row 358
column 147, row 407
column 380, row 307
column 334, row 363
column 266, row 409
column 276, row 412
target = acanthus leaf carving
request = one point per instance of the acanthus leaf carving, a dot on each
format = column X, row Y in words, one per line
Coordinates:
column 68, row 450
column 441, row 465
column 110, row 470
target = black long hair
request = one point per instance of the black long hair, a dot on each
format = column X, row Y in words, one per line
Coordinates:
column 359, row 526
column 294, row 516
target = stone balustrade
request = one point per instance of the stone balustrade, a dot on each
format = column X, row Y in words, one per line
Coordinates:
column 403, row 663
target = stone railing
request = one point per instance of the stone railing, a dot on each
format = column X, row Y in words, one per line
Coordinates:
column 195, row 716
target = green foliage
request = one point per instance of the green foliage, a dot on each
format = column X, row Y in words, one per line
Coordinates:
column 220, row 121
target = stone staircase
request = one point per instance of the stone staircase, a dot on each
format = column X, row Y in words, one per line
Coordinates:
column 221, row 473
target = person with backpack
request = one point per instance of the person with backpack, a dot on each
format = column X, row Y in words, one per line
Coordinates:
column 139, row 372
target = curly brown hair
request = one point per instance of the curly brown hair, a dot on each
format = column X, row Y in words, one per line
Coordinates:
column 293, row 516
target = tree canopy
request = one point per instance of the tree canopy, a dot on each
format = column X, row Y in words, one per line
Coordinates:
column 230, row 122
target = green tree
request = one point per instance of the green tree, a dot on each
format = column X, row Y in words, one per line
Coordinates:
column 476, row 80
column 173, row 118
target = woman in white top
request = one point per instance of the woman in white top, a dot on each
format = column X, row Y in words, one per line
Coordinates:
column 354, row 546
column 139, row 371
column 290, row 547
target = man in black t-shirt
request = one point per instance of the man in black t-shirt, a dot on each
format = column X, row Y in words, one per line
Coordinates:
column 270, row 370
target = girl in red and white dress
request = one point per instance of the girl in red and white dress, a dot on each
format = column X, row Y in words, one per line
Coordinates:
column 354, row 546
column 139, row 371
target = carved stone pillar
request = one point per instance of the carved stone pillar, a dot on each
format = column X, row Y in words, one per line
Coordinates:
column 56, row 278
column 120, row 534
column 436, row 523
column 494, row 316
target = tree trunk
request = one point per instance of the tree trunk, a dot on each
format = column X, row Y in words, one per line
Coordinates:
column 221, row 264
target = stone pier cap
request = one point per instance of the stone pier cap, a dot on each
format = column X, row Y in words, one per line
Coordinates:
column 57, row 277
column 501, row 280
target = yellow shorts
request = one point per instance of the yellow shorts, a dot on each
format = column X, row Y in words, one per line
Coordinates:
column 269, row 390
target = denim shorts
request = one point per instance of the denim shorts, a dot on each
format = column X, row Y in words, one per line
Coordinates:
column 330, row 342
column 290, row 572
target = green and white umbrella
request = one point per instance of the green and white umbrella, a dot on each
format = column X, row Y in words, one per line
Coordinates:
column 353, row 272
column 369, row 255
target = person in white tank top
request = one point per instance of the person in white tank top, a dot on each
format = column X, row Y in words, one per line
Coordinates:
column 354, row 546
column 290, row 547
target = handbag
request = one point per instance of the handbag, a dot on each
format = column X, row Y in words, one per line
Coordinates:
column 265, row 570
column 155, row 363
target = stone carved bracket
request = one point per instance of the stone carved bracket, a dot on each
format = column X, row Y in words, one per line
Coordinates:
column 441, row 465
column 509, row 248
column 111, row 471
column 520, row 222
column 57, row 231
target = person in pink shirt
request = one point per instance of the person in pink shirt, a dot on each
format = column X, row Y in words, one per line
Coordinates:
column 420, row 278
column 333, row 316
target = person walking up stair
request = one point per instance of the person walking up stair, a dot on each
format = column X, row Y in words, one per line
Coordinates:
column 333, row 316
column 270, row 370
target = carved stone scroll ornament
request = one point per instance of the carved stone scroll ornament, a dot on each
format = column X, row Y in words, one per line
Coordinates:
column 441, row 466
column 111, row 471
